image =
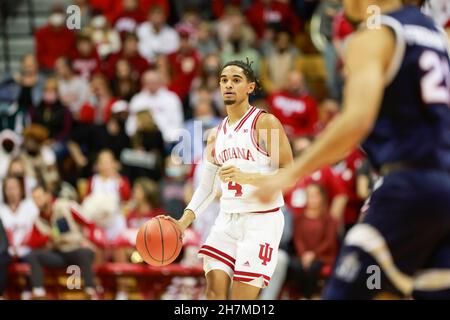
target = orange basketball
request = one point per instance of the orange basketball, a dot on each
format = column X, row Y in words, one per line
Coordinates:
column 159, row 241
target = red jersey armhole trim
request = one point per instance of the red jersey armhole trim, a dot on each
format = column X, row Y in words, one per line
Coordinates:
column 252, row 134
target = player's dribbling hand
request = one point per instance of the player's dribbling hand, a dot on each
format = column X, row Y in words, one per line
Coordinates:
column 177, row 223
column 232, row 174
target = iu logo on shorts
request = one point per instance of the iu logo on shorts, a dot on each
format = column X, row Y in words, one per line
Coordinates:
column 265, row 253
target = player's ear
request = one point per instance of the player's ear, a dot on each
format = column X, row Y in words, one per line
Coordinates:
column 251, row 88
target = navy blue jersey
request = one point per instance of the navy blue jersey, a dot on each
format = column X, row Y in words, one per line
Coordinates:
column 413, row 125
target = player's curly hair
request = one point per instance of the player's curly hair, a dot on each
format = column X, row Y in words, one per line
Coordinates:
column 247, row 69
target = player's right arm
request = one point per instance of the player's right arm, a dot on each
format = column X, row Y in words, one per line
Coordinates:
column 207, row 189
column 368, row 56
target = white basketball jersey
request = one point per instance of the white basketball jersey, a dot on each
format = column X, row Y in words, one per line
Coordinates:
column 236, row 146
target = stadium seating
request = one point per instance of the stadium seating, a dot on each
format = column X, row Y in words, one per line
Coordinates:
column 151, row 281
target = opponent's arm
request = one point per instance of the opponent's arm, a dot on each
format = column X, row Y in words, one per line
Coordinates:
column 367, row 58
column 270, row 133
column 207, row 189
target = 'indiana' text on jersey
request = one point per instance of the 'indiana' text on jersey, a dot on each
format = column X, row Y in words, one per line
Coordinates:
column 413, row 125
column 235, row 153
column 236, row 145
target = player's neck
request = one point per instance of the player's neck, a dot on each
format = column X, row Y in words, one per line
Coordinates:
column 236, row 112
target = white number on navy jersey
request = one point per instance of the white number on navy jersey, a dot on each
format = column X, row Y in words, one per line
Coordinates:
column 435, row 84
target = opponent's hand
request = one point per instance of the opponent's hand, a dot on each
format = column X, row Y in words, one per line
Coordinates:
column 233, row 174
column 269, row 189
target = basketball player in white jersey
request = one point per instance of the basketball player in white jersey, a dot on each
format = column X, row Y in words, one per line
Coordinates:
column 240, row 253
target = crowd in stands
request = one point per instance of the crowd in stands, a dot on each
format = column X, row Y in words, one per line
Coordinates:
column 91, row 123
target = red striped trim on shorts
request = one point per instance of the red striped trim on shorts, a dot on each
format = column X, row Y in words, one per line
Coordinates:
column 218, row 255
column 244, row 276
column 266, row 283
column 267, row 211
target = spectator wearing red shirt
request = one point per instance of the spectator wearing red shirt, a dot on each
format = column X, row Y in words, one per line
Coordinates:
column 315, row 241
column 295, row 108
column 346, row 171
column 296, row 198
column 98, row 109
column 127, row 18
column 113, row 8
column 341, row 29
column 130, row 53
column 85, row 60
column 269, row 12
column 183, row 67
column 328, row 109
column 53, row 40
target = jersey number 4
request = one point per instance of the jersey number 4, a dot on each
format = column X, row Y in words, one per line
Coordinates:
column 235, row 186
column 435, row 84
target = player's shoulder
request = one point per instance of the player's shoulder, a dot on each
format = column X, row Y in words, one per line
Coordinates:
column 267, row 120
column 368, row 38
column 212, row 134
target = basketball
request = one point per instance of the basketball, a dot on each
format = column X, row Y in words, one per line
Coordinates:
column 159, row 241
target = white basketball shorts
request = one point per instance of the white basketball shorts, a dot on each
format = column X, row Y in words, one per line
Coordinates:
column 244, row 245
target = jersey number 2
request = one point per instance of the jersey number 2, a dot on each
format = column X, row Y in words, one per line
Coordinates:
column 435, row 84
column 235, row 186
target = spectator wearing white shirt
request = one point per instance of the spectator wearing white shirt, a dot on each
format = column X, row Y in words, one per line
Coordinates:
column 18, row 214
column 438, row 10
column 73, row 90
column 163, row 104
column 156, row 37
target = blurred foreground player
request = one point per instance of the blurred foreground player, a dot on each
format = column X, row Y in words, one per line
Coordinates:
column 241, row 251
column 397, row 100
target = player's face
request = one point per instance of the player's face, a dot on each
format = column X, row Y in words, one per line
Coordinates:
column 234, row 85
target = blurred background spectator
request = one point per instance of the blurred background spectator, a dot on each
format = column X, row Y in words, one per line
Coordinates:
column 155, row 36
column 295, row 108
column 53, row 40
column 146, row 157
column 315, row 240
column 58, row 241
column 5, row 259
column 17, row 213
column 105, row 39
column 85, row 60
column 164, row 105
column 73, row 90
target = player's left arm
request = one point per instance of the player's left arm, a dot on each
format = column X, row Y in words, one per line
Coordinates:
column 367, row 58
column 268, row 127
